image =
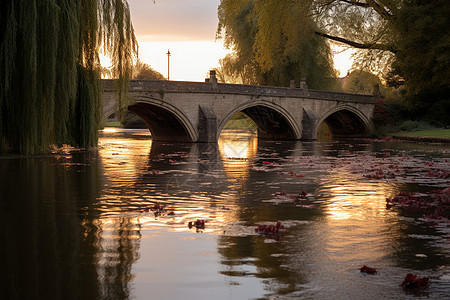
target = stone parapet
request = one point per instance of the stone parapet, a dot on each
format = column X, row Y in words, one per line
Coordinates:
column 241, row 89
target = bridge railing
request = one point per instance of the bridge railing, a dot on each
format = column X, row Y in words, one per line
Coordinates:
column 242, row 89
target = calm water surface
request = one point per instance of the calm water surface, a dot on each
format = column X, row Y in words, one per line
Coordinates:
column 82, row 224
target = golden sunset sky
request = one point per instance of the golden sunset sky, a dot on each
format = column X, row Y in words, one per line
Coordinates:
column 188, row 29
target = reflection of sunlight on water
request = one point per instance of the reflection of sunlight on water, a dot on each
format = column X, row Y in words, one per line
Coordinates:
column 238, row 145
column 236, row 151
column 347, row 197
column 355, row 211
column 126, row 165
column 354, row 232
column 110, row 129
column 124, row 158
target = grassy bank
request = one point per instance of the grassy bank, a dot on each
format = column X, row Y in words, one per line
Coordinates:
column 435, row 133
column 429, row 135
column 113, row 124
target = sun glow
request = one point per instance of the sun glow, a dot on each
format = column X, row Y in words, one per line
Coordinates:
column 189, row 32
column 342, row 58
column 189, row 60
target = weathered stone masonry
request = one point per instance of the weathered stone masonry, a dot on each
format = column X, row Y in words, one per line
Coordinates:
column 197, row 112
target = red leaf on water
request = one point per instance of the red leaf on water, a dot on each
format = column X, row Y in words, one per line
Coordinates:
column 199, row 224
column 415, row 282
column 368, row 270
column 269, row 229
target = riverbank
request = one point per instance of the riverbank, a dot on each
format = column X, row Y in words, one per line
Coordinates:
column 434, row 135
column 113, row 124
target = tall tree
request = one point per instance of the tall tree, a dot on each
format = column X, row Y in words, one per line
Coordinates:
column 273, row 41
column 50, row 69
column 407, row 41
column 423, row 57
column 238, row 30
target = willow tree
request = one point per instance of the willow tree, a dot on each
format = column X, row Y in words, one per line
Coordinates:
column 50, row 89
column 273, row 42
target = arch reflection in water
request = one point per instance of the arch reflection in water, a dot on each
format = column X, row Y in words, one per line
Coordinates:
column 237, row 150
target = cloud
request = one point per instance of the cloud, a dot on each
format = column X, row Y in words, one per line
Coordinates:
column 174, row 20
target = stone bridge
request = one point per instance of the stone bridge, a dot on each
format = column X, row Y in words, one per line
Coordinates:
column 197, row 112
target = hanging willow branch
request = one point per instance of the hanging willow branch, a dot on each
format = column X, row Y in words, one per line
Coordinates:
column 50, row 89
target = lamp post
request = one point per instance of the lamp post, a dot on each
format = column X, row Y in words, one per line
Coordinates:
column 168, row 58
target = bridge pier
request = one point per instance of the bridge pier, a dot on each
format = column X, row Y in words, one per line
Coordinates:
column 207, row 125
column 309, row 125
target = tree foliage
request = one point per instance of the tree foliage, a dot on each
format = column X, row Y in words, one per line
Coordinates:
column 50, row 91
column 407, row 41
column 423, row 58
column 273, row 42
column 142, row 70
column 362, row 82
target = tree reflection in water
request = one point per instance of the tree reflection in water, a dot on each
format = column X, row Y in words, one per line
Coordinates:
column 54, row 244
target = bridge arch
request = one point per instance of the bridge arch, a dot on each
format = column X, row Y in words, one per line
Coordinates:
column 346, row 121
column 273, row 121
column 165, row 121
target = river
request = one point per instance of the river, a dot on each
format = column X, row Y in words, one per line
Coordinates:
column 113, row 222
